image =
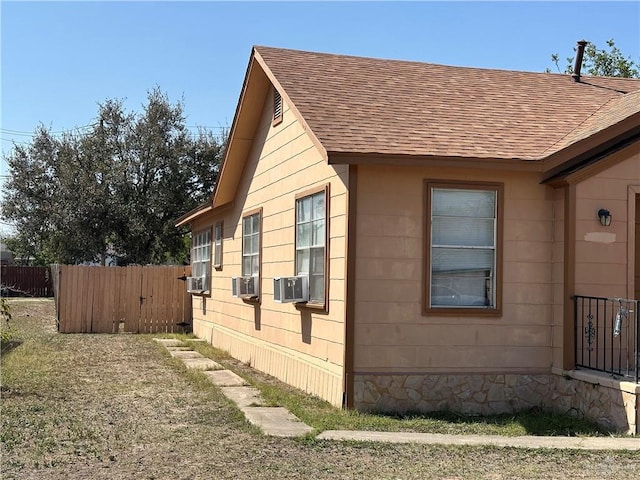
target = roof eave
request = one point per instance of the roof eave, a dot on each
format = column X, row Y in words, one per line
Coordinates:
column 413, row 160
column 257, row 81
column 240, row 135
column 193, row 214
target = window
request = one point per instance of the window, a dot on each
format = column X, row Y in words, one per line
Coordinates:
column 201, row 260
column 251, row 245
column 277, row 107
column 311, row 241
column 464, row 230
column 217, row 245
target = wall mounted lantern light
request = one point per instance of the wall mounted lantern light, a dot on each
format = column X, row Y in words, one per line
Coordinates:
column 605, row 217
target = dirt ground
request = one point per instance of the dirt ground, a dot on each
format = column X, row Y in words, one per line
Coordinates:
column 80, row 406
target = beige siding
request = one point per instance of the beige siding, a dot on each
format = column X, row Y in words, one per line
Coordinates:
column 604, row 259
column 557, row 278
column 301, row 347
column 391, row 332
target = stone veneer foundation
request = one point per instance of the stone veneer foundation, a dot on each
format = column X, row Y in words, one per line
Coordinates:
column 611, row 403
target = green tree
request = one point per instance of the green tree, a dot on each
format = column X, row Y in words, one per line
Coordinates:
column 30, row 197
column 117, row 188
column 601, row 62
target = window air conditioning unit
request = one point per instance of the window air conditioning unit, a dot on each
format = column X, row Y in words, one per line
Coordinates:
column 197, row 284
column 291, row 289
column 245, row 287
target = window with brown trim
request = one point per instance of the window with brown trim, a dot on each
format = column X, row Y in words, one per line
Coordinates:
column 463, row 247
column 217, row 245
column 200, row 280
column 277, row 107
column 312, row 243
column 251, row 228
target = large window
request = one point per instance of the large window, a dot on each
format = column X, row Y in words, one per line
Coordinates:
column 311, row 240
column 251, row 244
column 463, row 267
column 201, row 259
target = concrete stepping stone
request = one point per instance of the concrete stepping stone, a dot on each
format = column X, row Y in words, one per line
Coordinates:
column 179, row 349
column 225, row 378
column 184, row 354
column 169, row 342
column 276, row 421
column 243, row 396
column 201, row 364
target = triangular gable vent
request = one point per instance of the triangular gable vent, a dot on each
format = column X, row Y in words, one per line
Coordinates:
column 277, row 106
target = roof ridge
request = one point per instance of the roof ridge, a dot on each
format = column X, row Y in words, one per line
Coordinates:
column 412, row 62
column 422, row 62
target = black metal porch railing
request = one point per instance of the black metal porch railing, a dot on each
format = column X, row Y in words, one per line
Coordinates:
column 607, row 335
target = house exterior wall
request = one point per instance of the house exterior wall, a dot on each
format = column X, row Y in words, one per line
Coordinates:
column 408, row 360
column 557, row 278
column 405, row 359
column 302, row 347
column 605, row 266
column 392, row 333
column 605, row 256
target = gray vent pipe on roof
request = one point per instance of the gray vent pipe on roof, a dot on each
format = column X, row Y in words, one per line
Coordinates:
column 578, row 65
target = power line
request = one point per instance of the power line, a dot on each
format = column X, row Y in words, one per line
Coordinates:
column 59, row 132
column 20, row 134
column 194, row 135
column 14, row 141
column 26, row 138
column 208, row 127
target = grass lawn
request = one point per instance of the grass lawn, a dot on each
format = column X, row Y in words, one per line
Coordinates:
column 84, row 406
column 323, row 416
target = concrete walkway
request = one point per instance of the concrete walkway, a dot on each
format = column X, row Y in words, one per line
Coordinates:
column 529, row 441
column 274, row 421
column 278, row 421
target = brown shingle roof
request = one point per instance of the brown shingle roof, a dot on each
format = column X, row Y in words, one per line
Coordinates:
column 612, row 112
column 363, row 105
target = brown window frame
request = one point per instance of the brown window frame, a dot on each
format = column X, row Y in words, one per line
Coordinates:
column 323, row 307
column 217, row 259
column 496, row 310
column 277, row 112
column 251, row 213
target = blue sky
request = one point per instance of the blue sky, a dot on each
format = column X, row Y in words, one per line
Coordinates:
column 59, row 59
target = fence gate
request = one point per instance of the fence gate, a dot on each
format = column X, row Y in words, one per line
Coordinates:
column 150, row 299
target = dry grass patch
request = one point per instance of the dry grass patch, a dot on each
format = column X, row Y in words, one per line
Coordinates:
column 119, row 407
column 323, row 416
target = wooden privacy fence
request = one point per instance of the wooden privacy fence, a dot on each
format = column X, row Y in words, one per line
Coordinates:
column 150, row 299
column 31, row 281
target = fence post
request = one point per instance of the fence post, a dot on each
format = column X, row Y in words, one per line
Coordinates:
column 55, row 282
